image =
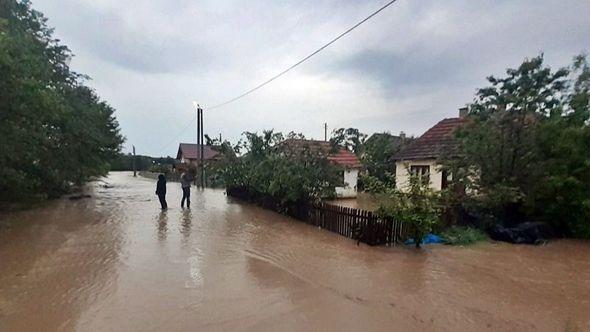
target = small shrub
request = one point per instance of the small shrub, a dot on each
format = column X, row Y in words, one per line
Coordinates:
column 463, row 235
column 374, row 185
column 164, row 169
column 418, row 208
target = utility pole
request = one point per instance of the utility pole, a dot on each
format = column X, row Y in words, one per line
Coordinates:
column 202, row 153
column 198, row 140
column 134, row 165
column 325, row 131
column 200, row 143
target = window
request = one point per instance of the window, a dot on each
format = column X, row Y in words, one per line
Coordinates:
column 445, row 179
column 422, row 172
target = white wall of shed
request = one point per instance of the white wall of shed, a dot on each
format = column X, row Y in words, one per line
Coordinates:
column 350, row 182
column 402, row 176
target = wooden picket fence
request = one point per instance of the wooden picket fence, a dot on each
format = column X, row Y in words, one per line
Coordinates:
column 361, row 225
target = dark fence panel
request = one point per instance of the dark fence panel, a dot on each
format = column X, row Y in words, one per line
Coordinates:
column 357, row 224
column 361, row 225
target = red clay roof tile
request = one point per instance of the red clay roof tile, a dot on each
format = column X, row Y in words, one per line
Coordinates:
column 342, row 157
column 433, row 142
column 190, row 151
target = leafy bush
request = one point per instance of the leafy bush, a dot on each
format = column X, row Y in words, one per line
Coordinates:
column 374, row 185
column 214, row 170
column 164, row 169
column 285, row 172
column 457, row 235
column 418, row 207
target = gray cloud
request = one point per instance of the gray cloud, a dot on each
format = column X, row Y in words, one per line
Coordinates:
column 110, row 35
column 403, row 73
column 407, row 68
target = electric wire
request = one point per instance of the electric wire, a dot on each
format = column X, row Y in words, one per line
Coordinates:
column 181, row 132
column 304, row 59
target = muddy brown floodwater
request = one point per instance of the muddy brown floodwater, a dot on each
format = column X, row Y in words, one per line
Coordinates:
column 362, row 201
column 114, row 262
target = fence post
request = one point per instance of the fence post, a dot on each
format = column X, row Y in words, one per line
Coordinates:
column 371, row 225
column 323, row 219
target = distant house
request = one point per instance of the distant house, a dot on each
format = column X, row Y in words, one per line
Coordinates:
column 188, row 153
column 420, row 157
column 392, row 140
column 342, row 157
column 384, row 146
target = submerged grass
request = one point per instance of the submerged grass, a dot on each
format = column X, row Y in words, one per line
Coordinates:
column 461, row 236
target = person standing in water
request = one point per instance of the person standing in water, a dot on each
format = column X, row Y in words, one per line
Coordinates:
column 161, row 191
column 185, row 183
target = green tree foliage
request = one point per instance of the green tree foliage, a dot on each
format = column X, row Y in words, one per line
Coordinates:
column 214, row 170
column 377, row 159
column 290, row 173
column 124, row 162
column 373, row 185
column 418, row 207
column 462, row 236
column 378, row 151
column 350, row 138
column 563, row 194
column 525, row 151
column 55, row 131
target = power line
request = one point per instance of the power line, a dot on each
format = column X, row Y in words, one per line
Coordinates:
column 304, row 59
column 180, row 133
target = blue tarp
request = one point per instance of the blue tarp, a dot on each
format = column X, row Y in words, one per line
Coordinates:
column 427, row 239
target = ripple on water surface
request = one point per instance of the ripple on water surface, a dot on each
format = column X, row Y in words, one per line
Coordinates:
column 116, row 262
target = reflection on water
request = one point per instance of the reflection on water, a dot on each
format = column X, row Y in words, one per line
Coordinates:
column 115, row 262
column 162, row 223
column 185, row 224
column 56, row 260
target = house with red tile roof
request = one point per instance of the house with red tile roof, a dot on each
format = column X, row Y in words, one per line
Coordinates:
column 188, row 153
column 420, row 157
column 340, row 157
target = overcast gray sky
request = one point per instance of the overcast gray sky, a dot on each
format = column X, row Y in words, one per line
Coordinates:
column 414, row 64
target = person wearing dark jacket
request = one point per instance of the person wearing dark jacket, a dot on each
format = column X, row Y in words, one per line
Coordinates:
column 161, row 191
column 185, row 184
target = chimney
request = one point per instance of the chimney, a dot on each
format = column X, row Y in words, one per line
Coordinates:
column 463, row 111
column 402, row 135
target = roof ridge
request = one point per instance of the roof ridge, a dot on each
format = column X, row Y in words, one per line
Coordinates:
column 433, row 141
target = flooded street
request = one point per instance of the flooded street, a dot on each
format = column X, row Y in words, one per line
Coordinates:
column 362, row 201
column 114, row 262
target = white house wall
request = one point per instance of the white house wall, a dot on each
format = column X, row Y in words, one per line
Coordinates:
column 402, row 176
column 350, row 181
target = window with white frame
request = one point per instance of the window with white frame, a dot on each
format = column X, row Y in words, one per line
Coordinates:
column 422, row 172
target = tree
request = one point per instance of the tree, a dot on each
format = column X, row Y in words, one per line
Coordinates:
column 563, row 195
column 350, row 138
column 214, row 169
column 287, row 173
column 124, row 162
column 377, row 158
column 60, row 132
column 524, row 151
